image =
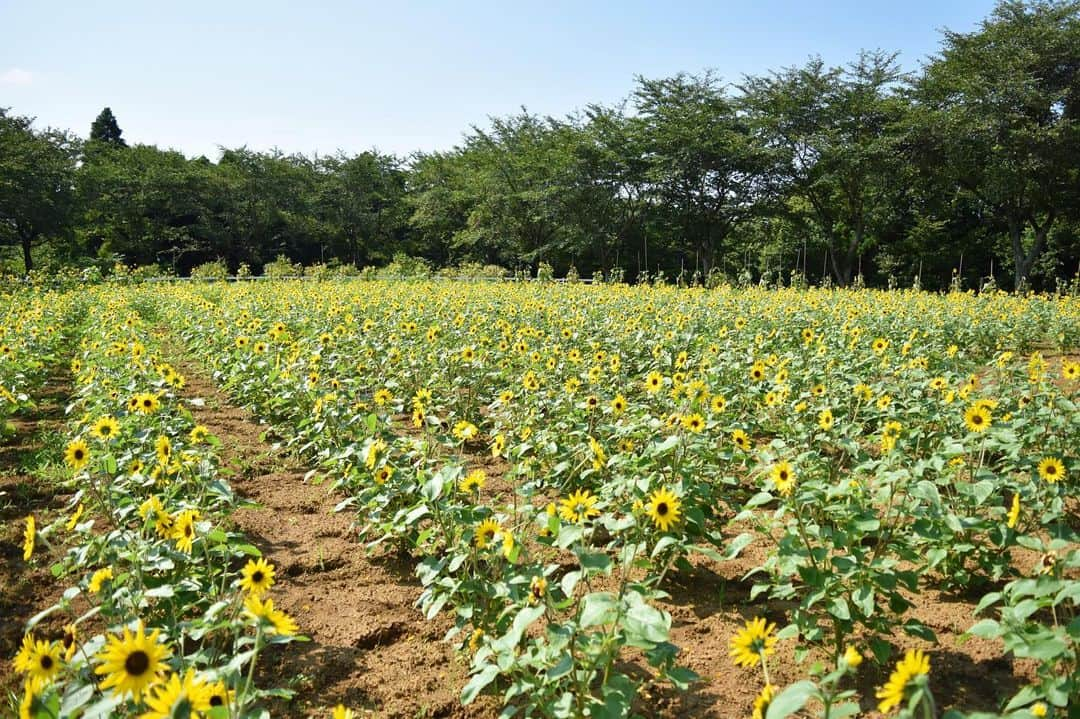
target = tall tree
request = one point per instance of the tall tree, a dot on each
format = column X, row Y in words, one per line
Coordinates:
column 36, row 183
column 834, row 134
column 106, row 130
column 1002, row 105
column 704, row 164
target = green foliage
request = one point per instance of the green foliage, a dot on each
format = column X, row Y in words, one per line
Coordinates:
column 216, row 270
column 106, row 130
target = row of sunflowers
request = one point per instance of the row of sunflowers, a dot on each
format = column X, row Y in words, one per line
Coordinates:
column 161, row 611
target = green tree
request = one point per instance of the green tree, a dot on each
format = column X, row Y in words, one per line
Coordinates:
column 36, row 183
column 1002, row 106
column 106, row 130
column 705, row 166
column 834, row 134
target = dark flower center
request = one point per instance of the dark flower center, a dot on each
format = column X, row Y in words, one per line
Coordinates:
column 46, row 662
column 137, row 663
column 662, row 509
column 217, row 700
column 78, row 454
column 257, row 577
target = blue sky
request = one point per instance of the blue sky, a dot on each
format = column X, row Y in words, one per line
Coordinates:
column 406, row 75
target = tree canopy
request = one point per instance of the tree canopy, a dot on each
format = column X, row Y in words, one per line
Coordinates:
column 967, row 169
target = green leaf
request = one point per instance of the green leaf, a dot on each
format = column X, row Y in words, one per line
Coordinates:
column 524, row 618
column 597, row 608
column 478, row 683
column 987, row 629
column 791, row 700
column 594, row 562
column 737, row 545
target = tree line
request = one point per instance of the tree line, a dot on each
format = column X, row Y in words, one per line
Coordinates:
column 965, row 170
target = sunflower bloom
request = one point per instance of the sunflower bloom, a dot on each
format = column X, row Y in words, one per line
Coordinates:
column 183, row 530
column 28, row 537
column 783, row 476
column 106, row 428
column 43, row 662
column 753, row 643
column 187, row 696
column 762, row 702
column 1014, row 511
column 578, row 507
column 77, row 454
column 98, row 579
column 741, row 440
column 75, row 517
column 914, row 664
column 132, row 662
column 1051, row 469
column 275, row 621
column 664, row 509
column 257, row 577
column 486, row 532
column 977, row 417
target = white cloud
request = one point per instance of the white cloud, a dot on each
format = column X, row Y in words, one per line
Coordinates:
column 16, row 76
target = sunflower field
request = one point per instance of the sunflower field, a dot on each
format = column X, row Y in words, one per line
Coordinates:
column 562, row 464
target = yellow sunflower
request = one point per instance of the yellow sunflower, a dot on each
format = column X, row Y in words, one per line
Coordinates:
column 753, row 643
column 915, row 664
column 977, row 417
column 474, row 480
column 486, row 532
column 163, row 448
column 183, row 530
column 1051, row 469
column 43, row 662
column 783, row 476
column 132, row 662
column 1014, row 511
column 106, row 428
column 146, row 403
column 219, row 695
column 694, row 422
column 741, row 440
column 75, row 517
column 28, row 537
column 273, row 621
column 663, row 508
column 653, row 382
column 77, row 454
column 178, row 697
column 762, row 702
column 578, row 507
column 98, row 579
column 825, row 419
column 257, row 577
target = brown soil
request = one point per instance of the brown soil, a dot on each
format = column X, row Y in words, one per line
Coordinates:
column 370, row 649
column 27, row 587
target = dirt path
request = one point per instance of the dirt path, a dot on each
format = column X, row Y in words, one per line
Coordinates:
column 370, row 649
column 26, row 589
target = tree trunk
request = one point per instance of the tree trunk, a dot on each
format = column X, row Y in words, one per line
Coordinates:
column 1025, row 259
column 28, row 261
